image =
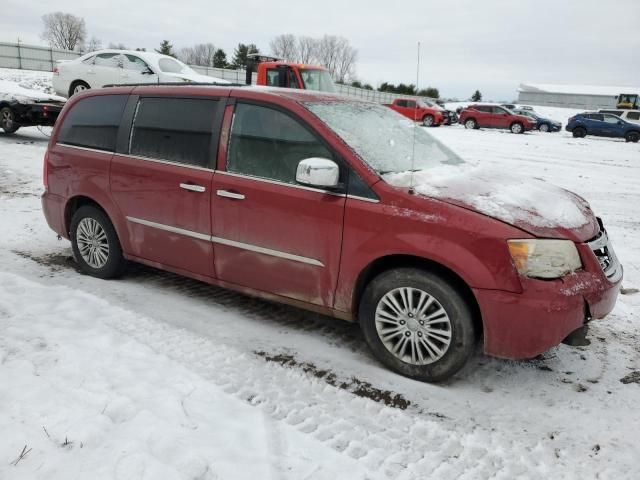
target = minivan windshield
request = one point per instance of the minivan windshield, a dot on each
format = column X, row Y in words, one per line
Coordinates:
column 384, row 139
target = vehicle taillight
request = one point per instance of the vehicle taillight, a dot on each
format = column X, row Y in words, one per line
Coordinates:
column 56, row 71
column 45, row 171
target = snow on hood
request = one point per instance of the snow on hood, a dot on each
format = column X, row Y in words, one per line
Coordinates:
column 528, row 203
column 14, row 92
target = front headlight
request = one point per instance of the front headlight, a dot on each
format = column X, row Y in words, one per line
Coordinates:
column 544, row 258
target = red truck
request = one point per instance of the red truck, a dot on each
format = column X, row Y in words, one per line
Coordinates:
column 419, row 111
column 274, row 72
column 332, row 205
column 494, row 116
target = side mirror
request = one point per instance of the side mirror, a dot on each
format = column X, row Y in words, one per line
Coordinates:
column 318, row 172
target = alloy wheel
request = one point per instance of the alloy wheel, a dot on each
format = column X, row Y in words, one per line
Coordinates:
column 93, row 244
column 7, row 119
column 413, row 326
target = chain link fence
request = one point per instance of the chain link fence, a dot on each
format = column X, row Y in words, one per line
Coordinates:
column 33, row 57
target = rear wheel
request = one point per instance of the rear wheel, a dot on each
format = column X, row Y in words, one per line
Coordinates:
column 544, row 127
column 632, row 137
column 579, row 132
column 417, row 324
column 427, row 121
column 470, row 124
column 8, row 120
column 77, row 87
column 95, row 243
column 516, row 127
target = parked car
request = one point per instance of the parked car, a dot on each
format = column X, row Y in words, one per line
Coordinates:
column 509, row 106
column 542, row 123
column 22, row 107
column 494, row 116
column 450, row 117
column 309, row 198
column 419, row 111
column 603, row 125
column 632, row 116
column 110, row 67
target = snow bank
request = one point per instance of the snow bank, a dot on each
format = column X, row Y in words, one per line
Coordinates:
column 13, row 91
column 510, row 198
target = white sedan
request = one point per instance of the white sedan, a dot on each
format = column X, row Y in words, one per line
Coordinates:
column 108, row 67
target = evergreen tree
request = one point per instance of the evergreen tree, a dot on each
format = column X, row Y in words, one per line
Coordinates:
column 477, row 96
column 241, row 52
column 220, row 59
column 430, row 92
column 166, row 48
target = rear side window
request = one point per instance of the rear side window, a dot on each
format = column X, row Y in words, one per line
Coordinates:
column 401, row 103
column 633, row 116
column 269, row 144
column 93, row 122
column 596, row 116
column 174, row 129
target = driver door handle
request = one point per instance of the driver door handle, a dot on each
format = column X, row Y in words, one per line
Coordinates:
column 193, row 188
column 227, row 194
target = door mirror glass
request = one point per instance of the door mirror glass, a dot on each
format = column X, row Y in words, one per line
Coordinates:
column 318, row 172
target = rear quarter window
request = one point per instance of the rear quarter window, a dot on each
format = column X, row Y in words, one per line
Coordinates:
column 93, row 122
column 633, row 116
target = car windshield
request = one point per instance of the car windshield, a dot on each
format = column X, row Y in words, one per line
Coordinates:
column 170, row 65
column 315, row 79
column 384, row 139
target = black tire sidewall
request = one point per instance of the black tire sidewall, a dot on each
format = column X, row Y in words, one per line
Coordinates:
column 15, row 125
column 424, row 121
column 632, row 137
column 514, row 124
column 115, row 261
column 579, row 132
column 545, row 127
column 471, row 121
column 463, row 340
column 74, row 85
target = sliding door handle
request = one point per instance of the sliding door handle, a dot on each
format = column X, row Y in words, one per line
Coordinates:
column 193, row 187
column 226, row 194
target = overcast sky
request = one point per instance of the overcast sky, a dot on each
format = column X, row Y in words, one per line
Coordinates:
column 491, row 45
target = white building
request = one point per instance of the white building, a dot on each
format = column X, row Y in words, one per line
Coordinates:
column 586, row 97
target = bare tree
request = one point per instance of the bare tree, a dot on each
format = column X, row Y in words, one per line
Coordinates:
column 307, row 47
column 94, row 44
column 202, row 54
column 284, row 46
column 117, row 46
column 345, row 62
column 63, row 30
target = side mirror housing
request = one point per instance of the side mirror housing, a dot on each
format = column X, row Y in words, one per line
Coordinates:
column 318, row 172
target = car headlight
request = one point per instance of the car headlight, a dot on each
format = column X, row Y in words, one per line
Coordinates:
column 544, row 258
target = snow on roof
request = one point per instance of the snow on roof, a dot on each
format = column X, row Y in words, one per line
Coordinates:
column 11, row 91
column 578, row 89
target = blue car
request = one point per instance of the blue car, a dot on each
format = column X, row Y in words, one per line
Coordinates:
column 603, row 125
column 543, row 124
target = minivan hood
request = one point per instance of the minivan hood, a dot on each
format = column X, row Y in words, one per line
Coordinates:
column 530, row 204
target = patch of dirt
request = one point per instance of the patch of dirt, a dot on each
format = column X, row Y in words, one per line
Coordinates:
column 355, row 386
column 633, row 377
column 629, row 291
column 56, row 262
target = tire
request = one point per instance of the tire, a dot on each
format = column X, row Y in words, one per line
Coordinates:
column 579, row 132
column 428, row 121
column 437, row 364
column 92, row 231
column 544, row 127
column 517, row 128
column 470, row 124
column 632, row 137
column 77, row 87
column 8, row 120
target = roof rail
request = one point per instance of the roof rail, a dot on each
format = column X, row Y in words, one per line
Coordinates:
column 176, row 84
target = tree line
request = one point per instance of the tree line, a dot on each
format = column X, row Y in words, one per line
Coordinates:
column 69, row 32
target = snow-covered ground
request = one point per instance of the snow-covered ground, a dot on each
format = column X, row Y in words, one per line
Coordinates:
column 155, row 376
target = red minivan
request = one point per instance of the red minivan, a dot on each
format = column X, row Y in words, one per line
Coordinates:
column 333, row 205
column 494, row 116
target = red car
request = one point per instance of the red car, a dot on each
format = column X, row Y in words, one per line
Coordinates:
column 316, row 200
column 419, row 111
column 494, row 116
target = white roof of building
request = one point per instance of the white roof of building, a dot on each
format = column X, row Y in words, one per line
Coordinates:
column 577, row 89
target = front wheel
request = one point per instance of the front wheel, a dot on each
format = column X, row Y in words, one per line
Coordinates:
column 470, row 124
column 8, row 120
column 632, row 137
column 417, row 324
column 544, row 127
column 95, row 243
column 579, row 132
column 516, row 127
column 428, row 120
